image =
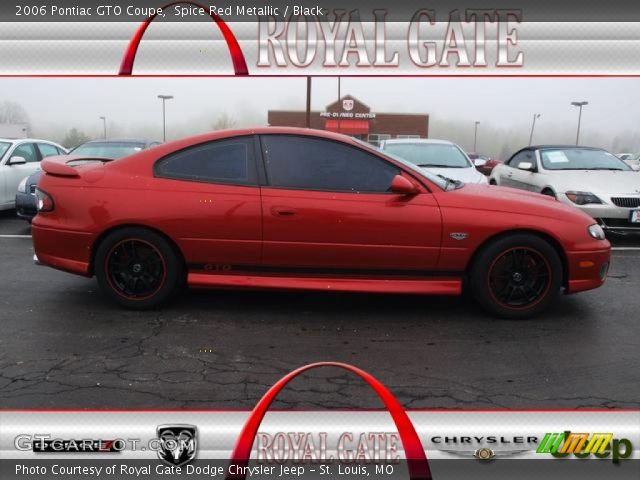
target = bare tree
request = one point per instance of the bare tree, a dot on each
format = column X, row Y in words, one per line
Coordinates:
column 223, row 122
column 13, row 112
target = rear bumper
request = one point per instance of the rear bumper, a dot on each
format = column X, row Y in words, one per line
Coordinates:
column 587, row 269
column 63, row 249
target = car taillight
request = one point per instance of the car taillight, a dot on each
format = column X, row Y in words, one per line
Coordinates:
column 44, row 202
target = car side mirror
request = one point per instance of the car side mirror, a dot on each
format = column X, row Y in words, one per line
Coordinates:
column 401, row 185
column 528, row 166
column 17, row 161
column 479, row 162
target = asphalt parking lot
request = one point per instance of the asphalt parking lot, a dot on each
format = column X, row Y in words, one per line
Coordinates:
column 65, row 346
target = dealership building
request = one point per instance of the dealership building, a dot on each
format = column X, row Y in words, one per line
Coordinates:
column 352, row 117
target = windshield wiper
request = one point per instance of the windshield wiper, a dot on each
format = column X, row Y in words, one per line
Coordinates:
column 450, row 181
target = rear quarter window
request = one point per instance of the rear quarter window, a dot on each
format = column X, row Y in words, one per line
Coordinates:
column 228, row 161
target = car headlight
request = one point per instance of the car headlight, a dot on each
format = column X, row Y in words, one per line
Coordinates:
column 582, row 198
column 22, row 186
column 596, row 231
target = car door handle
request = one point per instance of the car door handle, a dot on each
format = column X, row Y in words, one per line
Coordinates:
column 283, row 211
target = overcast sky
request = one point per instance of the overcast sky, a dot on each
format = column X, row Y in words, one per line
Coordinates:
column 504, row 106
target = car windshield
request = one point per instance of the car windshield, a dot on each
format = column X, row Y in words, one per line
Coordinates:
column 112, row 150
column 580, row 159
column 4, row 146
column 439, row 181
column 434, row 155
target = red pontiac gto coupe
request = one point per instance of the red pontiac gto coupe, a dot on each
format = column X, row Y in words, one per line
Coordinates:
column 285, row 208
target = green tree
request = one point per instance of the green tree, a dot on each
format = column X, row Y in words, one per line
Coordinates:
column 74, row 138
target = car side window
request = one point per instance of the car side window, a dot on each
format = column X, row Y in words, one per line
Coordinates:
column 227, row 161
column 47, row 150
column 523, row 157
column 26, row 151
column 309, row 163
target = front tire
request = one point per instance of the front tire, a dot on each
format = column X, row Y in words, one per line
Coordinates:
column 516, row 276
column 138, row 268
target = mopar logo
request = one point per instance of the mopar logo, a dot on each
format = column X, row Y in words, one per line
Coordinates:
column 178, row 444
column 583, row 445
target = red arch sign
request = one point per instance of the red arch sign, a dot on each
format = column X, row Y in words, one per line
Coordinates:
column 237, row 57
column 414, row 452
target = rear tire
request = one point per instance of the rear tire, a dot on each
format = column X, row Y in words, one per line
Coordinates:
column 138, row 268
column 516, row 276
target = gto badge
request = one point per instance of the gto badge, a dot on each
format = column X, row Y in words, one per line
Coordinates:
column 459, row 235
column 178, row 444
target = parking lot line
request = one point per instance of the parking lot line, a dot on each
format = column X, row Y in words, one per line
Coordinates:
column 15, row 236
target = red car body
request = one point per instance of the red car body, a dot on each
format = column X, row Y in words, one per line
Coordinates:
column 418, row 238
column 489, row 164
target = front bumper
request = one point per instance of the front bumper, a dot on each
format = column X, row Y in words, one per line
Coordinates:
column 587, row 269
column 26, row 205
column 610, row 217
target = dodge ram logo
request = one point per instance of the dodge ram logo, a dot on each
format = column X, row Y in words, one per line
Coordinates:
column 347, row 105
column 177, row 444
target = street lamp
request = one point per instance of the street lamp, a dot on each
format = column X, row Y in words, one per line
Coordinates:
column 104, row 126
column 533, row 125
column 164, row 98
column 475, row 138
column 579, row 104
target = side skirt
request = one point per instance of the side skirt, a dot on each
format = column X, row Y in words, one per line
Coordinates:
column 425, row 286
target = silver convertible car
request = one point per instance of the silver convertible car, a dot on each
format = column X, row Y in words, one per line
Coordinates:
column 592, row 179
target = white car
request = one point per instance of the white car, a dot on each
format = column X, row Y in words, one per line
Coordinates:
column 592, row 179
column 439, row 157
column 19, row 159
column 624, row 156
column 633, row 161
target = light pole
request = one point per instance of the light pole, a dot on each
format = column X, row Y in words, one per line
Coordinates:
column 164, row 98
column 104, row 126
column 475, row 138
column 580, row 105
column 533, row 125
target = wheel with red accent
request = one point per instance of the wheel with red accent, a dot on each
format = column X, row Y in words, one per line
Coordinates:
column 516, row 276
column 138, row 268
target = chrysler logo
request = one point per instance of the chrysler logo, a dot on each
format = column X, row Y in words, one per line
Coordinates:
column 178, row 443
column 484, row 453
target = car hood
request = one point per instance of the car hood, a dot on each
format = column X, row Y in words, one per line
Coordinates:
column 490, row 198
column 596, row 181
column 466, row 175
